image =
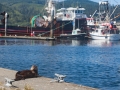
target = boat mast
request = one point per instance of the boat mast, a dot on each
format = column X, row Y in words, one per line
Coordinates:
column 51, row 6
column 77, row 11
column 50, row 9
column 63, row 3
column 99, row 13
column 74, row 24
column 107, row 12
column 104, row 4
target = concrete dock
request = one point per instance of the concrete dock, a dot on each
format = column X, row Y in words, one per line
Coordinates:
column 39, row 83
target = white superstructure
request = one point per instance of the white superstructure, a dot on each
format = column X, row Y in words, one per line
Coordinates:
column 70, row 13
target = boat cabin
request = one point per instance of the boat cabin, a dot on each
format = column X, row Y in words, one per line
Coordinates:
column 70, row 13
column 106, row 30
column 76, row 31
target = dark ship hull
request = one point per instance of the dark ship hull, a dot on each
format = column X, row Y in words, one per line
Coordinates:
column 60, row 27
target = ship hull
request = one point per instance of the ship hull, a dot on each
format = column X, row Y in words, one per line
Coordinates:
column 60, row 27
column 80, row 36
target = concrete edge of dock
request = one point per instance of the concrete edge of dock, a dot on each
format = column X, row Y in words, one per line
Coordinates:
column 39, row 83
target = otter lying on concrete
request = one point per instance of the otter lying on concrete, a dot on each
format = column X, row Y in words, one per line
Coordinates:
column 21, row 75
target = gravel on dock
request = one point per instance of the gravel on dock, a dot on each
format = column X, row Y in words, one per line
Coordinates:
column 39, row 83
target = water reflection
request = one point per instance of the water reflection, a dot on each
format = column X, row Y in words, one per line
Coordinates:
column 24, row 42
column 102, row 43
column 93, row 43
column 78, row 59
column 73, row 42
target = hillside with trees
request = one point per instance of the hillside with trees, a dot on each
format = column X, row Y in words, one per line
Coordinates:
column 21, row 11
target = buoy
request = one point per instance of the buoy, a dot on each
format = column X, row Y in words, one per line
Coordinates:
column 31, row 34
column 110, row 26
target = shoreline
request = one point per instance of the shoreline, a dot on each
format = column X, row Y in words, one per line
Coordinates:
column 39, row 83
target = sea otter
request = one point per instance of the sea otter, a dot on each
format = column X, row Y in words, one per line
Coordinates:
column 22, row 75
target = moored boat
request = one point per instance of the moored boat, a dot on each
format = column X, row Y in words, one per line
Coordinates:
column 104, row 33
column 76, row 33
column 106, row 29
column 62, row 21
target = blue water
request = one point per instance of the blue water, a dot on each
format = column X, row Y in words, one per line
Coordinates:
column 91, row 63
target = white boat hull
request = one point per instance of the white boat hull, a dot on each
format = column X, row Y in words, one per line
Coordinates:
column 70, row 36
column 105, row 37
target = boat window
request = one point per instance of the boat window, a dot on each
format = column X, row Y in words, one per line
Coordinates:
column 78, row 31
column 91, row 20
column 114, row 26
column 75, row 11
column 82, row 11
column 96, row 30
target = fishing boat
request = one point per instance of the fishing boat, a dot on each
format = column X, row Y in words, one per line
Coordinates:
column 105, row 33
column 76, row 33
column 62, row 18
column 62, row 21
column 106, row 29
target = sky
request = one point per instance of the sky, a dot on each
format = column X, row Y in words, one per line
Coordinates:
column 115, row 2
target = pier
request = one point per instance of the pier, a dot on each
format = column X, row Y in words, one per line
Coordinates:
column 41, row 83
column 27, row 37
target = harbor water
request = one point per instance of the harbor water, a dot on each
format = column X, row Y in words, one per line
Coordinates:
column 93, row 63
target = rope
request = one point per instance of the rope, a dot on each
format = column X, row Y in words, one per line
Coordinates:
column 55, row 28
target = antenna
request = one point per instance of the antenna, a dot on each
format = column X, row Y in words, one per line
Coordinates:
column 77, row 3
column 63, row 3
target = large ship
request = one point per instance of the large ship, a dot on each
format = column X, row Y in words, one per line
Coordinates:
column 60, row 21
